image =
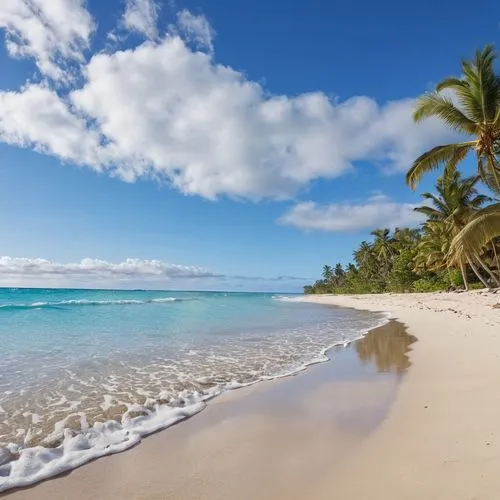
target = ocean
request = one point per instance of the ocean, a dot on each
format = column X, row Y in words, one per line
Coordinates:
column 86, row 373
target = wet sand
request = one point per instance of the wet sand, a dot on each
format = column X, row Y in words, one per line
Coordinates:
column 277, row 439
column 441, row 439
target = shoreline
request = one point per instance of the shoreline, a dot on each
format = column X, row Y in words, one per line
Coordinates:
column 124, row 436
column 241, row 408
column 439, row 438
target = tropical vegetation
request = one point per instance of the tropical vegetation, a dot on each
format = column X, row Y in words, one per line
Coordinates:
column 458, row 244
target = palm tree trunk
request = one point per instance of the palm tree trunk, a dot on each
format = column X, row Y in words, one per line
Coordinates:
column 493, row 245
column 488, row 270
column 476, row 272
column 463, row 270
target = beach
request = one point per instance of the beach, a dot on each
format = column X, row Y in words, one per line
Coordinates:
column 441, row 439
column 233, row 266
column 353, row 433
column 102, row 369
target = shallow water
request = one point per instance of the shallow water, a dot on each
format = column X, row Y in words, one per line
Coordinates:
column 274, row 440
column 72, row 359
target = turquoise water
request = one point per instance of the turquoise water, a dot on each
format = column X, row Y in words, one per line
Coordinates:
column 72, row 359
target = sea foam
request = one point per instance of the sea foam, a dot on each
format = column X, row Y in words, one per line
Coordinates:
column 20, row 467
column 82, row 367
column 38, row 463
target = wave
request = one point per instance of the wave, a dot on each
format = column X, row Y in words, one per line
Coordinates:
column 38, row 463
column 85, row 302
column 284, row 298
column 20, row 467
column 31, row 465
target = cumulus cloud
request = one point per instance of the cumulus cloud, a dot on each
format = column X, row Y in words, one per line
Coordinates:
column 130, row 273
column 378, row 211
column 53, row 32
column 37, row 117
column 141, row 16
column 94, row 269
column 166, row 111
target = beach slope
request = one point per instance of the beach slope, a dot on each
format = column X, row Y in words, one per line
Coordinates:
column 441, row 440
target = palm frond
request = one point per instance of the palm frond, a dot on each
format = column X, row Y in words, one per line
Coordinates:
column 480, row 200
column 489, row 173
column 478, row 232
column 451, row 83
column 488, row 83
column 451, row 167
column 451, row 154
column 430, row 212
column 434, row 104
column 438, row 202
column 478, row 93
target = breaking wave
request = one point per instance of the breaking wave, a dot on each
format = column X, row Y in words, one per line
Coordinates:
column 85, row 302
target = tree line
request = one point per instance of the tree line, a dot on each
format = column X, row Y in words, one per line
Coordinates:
column 458, row 245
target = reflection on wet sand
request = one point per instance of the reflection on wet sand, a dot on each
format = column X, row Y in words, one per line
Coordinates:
column 266, row 441
column 387, row 347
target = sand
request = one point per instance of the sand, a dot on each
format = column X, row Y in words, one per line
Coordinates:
column 352, row 433
column 441, row 439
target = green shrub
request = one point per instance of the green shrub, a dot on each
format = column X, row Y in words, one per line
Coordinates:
column 423, row 285
column 476, row 286
column 453, row 277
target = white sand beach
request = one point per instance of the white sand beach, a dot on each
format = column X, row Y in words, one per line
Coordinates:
column 441, row 439
column 436, row 435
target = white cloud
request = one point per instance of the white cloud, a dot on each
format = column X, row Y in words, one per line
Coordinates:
column 130, row 273
column 37, row 117
column 94, row 269
column 396, row 140
column 141, row 16
column 53, row 32
column 196, row 29
column 165, row 111
column 377, row 212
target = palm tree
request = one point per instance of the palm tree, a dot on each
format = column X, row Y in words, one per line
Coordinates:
column 327, row 273
column 405, row 237
column 433, row 248
column 457, row 202
column 351, row 268
column 382, row 246
column 482, row 230
column 339, row 273
column 457, row 198
column 363, row 254
column 473, row 110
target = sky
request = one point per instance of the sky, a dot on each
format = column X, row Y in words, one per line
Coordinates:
column 209, row 144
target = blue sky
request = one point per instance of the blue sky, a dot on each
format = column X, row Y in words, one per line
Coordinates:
column 201, row 144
